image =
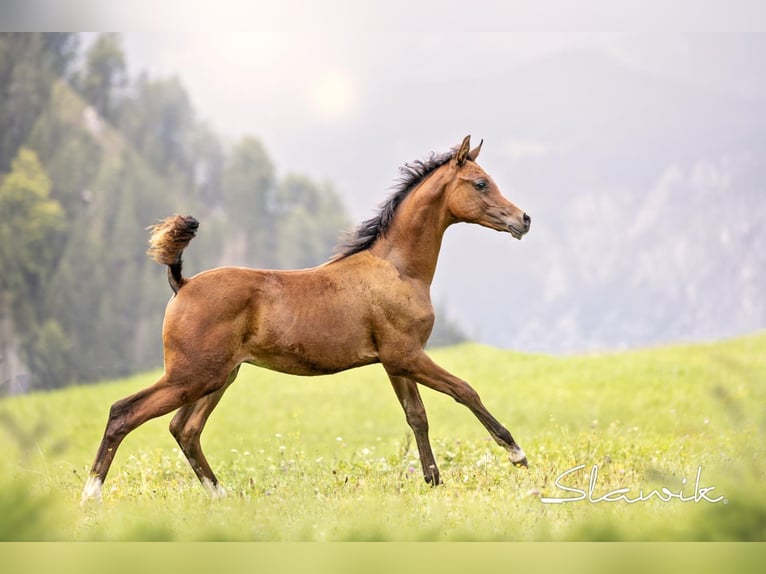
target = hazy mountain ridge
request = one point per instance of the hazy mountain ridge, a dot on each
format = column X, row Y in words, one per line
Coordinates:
column 645, row 229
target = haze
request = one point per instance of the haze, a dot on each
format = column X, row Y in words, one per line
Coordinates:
column 639, row 155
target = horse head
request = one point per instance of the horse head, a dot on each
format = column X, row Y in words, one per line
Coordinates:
column 473, row 197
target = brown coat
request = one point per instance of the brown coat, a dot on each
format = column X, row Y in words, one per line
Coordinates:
column 371, row 303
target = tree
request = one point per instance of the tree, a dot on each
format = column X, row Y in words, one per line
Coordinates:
column 49, row 357
column 310, row 218
column 105, row 75
column 159, row 121
column 207, row 161
column 25, row 78
column 62, row 48
column 447, row 331
column 30, row 223
column 248, row 195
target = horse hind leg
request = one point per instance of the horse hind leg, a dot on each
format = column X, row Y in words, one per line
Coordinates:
column 172, row 391
column 186, row 427
column 125, row 416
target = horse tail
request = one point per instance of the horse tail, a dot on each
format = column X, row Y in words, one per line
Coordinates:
column 167, row 241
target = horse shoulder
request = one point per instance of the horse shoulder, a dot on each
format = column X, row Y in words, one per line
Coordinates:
column 400, row 307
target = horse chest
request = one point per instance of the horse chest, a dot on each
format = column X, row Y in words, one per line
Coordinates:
column 405, row 311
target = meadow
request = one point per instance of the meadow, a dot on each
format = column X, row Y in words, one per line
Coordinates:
column 332, row 459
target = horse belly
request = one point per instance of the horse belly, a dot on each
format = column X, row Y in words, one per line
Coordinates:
column 306, row 346
column 299, row 359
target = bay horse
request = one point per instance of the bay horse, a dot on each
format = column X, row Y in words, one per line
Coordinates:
column 370, row 303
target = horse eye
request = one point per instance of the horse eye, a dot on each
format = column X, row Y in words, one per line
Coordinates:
column 481, row 185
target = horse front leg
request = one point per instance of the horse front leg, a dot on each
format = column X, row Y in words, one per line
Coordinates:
column 415, row 413
column 423, row 370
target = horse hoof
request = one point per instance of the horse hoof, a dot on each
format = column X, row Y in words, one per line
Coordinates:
column 432, row 475
column 91, row 491
column 214, row 489
column 517, row 457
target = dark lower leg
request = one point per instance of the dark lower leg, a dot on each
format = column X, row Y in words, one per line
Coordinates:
column 428, row 373
column 186, row 427
column 415, row 412
column 126, row 415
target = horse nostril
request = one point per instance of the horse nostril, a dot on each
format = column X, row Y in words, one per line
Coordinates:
column 527, row 221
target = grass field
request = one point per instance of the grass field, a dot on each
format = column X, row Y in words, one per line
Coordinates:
column 332, row 458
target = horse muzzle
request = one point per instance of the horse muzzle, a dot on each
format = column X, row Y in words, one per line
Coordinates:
column 519, row 228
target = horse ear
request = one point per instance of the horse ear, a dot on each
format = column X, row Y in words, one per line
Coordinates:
column 474, row 153
column 465, row 149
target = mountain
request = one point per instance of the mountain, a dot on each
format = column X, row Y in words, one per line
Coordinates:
column 646, row 195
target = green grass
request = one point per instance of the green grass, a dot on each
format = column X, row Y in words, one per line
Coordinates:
column 331, row 458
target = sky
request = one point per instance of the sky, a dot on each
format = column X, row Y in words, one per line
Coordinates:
column 305, row 74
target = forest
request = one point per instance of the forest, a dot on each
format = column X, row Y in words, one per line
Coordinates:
column 89, row 157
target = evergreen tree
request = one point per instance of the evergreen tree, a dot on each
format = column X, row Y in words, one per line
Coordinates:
column 105, row 75
column 159, row 122
column 25, row 77
column 447, row 331
column 62, row 48
column 207, row 163
column 248, row 194
column 29, row 64
column 31, row 223
column 310, row 218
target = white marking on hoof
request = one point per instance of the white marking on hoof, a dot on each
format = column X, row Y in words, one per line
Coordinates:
column 214, row 490
column 517, row 457
column 91, row 490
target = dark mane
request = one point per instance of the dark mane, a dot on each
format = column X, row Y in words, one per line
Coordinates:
column 368, row 232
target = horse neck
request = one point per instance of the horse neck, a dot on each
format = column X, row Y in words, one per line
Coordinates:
column 413, row 241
